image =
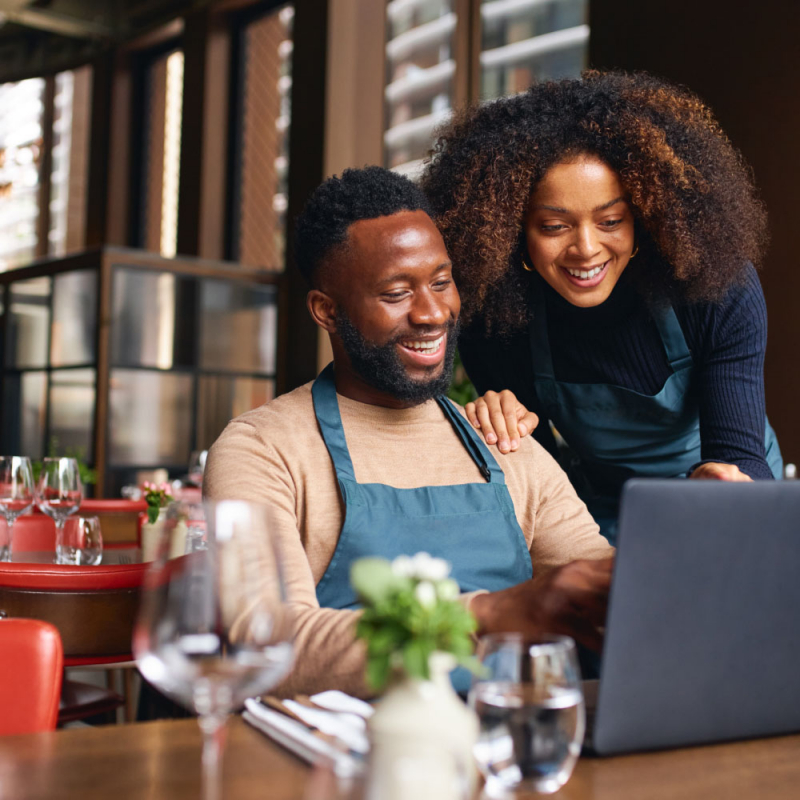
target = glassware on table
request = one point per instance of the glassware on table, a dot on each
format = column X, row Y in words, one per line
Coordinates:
column 59, row 494
column 16, row 495
column 214, row 627
column 197, row 466
column 82, row 543
column 530, row 705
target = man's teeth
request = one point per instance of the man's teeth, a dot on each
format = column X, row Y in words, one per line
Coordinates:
column 584, row 274
column 429, row 346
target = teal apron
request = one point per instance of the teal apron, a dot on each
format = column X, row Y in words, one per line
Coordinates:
column 472, row 525
column 615, row 433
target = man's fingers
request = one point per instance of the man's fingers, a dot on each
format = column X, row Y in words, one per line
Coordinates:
column 472, row 415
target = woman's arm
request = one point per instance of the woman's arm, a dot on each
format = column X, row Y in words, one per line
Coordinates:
column 731, row 347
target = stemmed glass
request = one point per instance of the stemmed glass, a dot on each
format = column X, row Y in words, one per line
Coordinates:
column 214, row 627
column 16, row 494
column 197, row 466
column 529, row 701
column 59, row 494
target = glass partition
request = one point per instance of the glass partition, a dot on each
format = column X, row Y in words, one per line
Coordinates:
column 29, row 323
column 185, row 346
column 74, row 324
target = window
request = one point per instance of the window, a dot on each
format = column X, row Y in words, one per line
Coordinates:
column 261, row 139
column 420, row 78
column 21, row 150
column 519, row 42
column 156, row 223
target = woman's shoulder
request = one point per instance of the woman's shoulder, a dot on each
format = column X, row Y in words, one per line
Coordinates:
column 741, row 313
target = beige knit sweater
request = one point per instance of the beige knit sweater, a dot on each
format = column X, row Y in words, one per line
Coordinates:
column 275, row 454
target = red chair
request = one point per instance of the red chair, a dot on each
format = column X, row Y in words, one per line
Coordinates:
column 120, row 521
column 93, row 608
column 30, row 683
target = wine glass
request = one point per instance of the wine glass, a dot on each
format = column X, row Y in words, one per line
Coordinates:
column 214, row 627
column 529, row 702
column 16, row 495
column 59, row 494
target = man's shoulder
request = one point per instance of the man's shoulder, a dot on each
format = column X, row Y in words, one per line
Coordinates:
column 286, row 416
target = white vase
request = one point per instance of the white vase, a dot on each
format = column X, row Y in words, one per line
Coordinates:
column 151, row 535
column 421, row 740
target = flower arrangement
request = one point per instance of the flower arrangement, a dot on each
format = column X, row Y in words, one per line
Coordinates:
column 157, row 496
column 411, row 610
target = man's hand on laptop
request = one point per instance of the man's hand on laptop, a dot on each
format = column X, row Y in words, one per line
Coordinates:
column 570, row 600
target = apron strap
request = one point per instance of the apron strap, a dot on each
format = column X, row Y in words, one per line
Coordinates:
column 326, row 407
column 678, row 353
column 541, row 357
column 488, row 466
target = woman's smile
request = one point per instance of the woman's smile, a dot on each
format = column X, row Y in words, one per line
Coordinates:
column 579, row 230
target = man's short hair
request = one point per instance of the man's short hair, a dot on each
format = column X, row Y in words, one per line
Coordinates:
column 337, row 203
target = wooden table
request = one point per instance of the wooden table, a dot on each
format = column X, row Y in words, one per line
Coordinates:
column 161, row 760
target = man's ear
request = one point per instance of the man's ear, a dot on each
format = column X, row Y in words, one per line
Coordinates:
column 322, row 309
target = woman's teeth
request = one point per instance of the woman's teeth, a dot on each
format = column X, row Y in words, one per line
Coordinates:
column 430, row 346
column 585, row 274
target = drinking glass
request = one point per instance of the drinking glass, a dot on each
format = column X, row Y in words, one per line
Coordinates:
column 197, row 466
column 530, row 705
column 59, row 495
column 214, row 627
column 16, row 495
column 83, row 541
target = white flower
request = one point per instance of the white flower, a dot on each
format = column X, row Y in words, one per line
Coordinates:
column 403, row 567
column 447, row 589
column 428, row 568
column 425, row 592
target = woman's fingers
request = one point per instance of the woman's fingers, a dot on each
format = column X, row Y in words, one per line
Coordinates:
column 714, row 470
column 527, row 421
column 502, row 419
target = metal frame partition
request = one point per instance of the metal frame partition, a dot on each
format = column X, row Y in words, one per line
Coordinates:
column 181, row 345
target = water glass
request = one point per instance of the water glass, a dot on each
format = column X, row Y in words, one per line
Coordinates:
column 214, row 626
column 530, row 705
column 59, row 495
column 83, row 542
column 16, row 495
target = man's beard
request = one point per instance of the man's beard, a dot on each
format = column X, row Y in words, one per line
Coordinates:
column 380, row 366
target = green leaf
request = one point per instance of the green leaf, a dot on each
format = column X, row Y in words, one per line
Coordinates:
column 378, row 671
column 152, row 513
column 415, row 658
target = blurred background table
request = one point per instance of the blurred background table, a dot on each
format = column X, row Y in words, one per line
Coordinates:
column 158, row 760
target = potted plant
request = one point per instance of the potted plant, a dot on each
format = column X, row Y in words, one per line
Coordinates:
column 416, row 631
column 158, row 497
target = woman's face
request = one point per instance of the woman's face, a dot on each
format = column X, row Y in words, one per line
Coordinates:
column 579, row 229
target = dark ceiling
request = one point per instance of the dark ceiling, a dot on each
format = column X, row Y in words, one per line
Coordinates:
column 39, row 37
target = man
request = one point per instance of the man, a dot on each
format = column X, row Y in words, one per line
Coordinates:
column 366, row 460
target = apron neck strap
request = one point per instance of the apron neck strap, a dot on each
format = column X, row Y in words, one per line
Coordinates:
column 329, row 418
column 326, row 407
column 678, row 353
column 488, row 466
column 541, row 357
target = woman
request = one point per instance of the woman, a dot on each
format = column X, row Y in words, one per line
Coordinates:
column 603, row 233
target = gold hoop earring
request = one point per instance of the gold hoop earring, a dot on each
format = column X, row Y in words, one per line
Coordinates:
column 635, row 251
column 526, row 267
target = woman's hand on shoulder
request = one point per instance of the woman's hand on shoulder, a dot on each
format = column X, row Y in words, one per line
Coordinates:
column 502, row 419
column 716, row 471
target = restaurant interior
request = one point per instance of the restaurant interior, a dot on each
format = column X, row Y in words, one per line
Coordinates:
column 154, row 155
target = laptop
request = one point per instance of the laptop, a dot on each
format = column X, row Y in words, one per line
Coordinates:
column 703, row 630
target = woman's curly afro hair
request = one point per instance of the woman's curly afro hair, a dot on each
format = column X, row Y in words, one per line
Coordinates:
column 698, row 219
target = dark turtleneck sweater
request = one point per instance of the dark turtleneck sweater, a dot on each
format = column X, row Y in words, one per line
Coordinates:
column 618, row 343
